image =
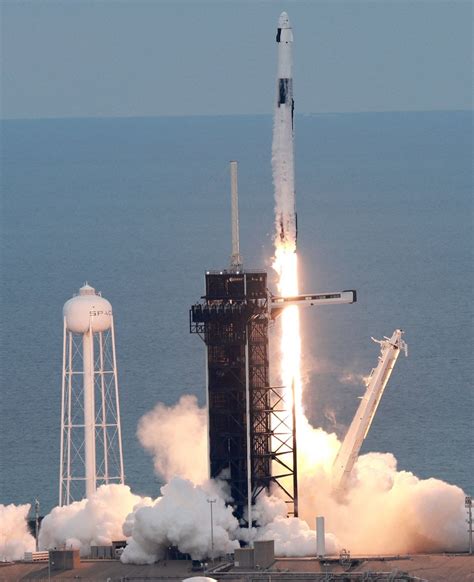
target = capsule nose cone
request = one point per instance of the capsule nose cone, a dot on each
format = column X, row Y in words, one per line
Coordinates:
column 284, row 21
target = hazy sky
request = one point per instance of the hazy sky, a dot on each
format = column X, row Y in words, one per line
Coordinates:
column 95, row 58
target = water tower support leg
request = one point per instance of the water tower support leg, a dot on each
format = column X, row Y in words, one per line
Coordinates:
column 89, row 412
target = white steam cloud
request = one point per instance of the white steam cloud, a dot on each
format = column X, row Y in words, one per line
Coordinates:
column 15, row 538
column 181, row 518
column 94, row 521
column 292, row 535
column 176, row 437
column 385, row 510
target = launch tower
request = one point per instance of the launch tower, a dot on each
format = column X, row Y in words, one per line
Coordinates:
column 234, row 325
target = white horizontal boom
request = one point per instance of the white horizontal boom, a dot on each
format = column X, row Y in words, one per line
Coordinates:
column 360, row 425
column 278, row 303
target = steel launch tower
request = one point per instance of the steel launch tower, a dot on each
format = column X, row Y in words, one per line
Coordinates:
column 91, row 440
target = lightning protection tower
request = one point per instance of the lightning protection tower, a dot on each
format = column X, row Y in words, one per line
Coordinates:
column 91, row 440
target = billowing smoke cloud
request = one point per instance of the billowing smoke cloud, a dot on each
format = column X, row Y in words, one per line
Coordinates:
column 176, row 437
column 428, row 515
column 292, row 536
column 94, row 521
column 15, row 538
column 181, row 518
column 384, row 510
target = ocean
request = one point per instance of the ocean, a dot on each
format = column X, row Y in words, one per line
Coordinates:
column 140, row 208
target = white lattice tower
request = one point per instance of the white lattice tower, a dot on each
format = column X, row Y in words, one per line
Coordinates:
column 91, row 440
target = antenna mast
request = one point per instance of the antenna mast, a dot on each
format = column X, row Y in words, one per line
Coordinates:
column 236, row 259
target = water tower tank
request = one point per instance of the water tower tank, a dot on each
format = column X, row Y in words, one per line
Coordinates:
column 87, row 309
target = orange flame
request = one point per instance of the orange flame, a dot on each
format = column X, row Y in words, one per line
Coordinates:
column 286, row 265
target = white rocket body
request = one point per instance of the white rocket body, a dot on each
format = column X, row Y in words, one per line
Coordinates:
column 282, row 148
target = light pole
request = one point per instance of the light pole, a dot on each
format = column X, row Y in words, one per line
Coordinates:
column 468, row 506
column 37, row 511
column 50, row 563
column 211, row 501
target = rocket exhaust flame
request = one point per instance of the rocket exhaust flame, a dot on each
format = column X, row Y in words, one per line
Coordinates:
column 286, row 266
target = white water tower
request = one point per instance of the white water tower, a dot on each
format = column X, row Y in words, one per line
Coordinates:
column 91, row 440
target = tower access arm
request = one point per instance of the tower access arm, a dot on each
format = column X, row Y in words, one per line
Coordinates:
column 277, row 304
column 360, row 425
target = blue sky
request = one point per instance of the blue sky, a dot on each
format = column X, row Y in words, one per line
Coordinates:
column 133, row 58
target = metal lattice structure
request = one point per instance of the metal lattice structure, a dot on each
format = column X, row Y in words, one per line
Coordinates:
column 91, row 443
column 251, row 436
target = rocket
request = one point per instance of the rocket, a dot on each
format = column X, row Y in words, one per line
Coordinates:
column 282, row 147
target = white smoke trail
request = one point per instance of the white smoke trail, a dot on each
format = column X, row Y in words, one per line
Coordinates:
column 15, row 538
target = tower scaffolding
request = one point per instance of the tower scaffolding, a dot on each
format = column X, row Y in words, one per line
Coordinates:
column 249, row 428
